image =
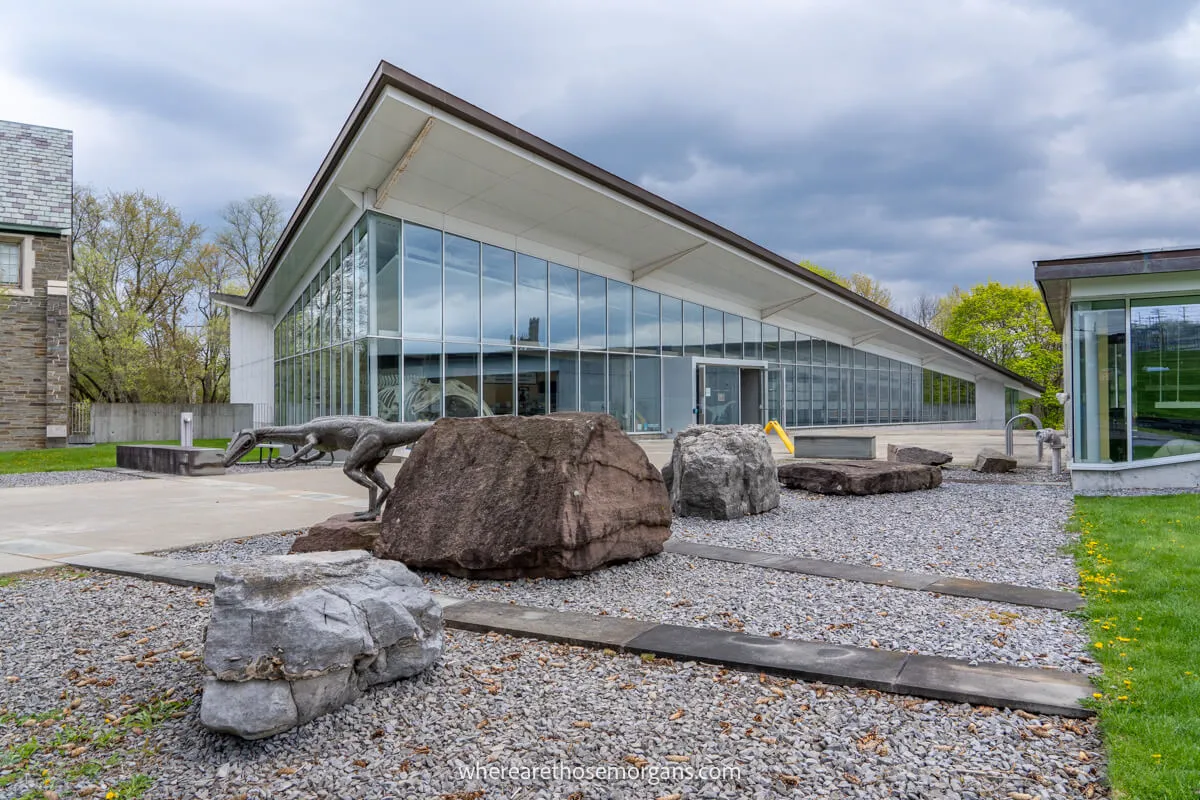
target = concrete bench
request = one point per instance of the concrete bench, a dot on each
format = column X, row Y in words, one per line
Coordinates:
column 171, row 459
column 840, row 446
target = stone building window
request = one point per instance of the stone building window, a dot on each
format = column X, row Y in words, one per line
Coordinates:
column 16, row 265
column 10, row 264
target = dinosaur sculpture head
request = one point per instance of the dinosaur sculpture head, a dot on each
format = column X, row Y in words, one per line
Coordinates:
column 239, row 446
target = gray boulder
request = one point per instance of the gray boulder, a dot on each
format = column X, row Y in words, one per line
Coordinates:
column 294, row 637
column 858, row 477
column 722, row 472
column 912, row 454
column 994, row 461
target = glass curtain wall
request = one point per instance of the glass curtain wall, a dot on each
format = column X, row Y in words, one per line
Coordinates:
column 1136, row 378
column 406, row 322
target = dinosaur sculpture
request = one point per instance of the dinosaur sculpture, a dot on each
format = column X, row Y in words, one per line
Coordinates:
column 367, row 440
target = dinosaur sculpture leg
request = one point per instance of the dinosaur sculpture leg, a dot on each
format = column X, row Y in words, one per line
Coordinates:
column 362, row 467
column 297, row 457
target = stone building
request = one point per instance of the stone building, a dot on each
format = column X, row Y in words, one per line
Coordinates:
column 35, row 257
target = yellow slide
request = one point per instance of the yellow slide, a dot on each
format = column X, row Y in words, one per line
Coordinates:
column 781, row 433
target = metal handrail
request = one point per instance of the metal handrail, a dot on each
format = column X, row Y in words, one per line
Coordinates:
column 1008, row 433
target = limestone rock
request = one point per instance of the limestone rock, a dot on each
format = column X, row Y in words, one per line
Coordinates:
column 722, row 472
column 858, row 477
column 912, row 454
column 341, row 532
column 294, row 637
column 509, row 497
column 994, row 461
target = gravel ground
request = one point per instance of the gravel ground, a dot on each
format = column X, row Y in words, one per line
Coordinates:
column 1020, row 475
column 991, row 532
column 694, row 591
column 508, row 703
column 63, row 478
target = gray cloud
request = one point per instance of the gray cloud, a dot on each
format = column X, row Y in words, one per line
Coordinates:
column 928, row 143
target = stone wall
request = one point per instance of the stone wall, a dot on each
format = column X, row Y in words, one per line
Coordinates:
column 34, row 387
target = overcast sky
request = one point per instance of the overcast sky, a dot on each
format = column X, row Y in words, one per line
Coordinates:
column 927, row 142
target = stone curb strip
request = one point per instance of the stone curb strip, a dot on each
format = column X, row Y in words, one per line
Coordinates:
column 918, row 581
column 1039, row 691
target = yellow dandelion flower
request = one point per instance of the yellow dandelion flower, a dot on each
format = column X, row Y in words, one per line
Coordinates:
column 1097, row 695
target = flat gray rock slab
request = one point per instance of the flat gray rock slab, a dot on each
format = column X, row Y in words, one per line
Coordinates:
column 935, row 677
column 587, row 630
column 151, row 568
column 917, row 581
column 1040, row 691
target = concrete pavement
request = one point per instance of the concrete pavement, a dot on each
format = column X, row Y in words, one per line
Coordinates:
column 41, row 524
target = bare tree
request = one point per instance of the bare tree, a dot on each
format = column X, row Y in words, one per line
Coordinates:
column 252, row 226
column 923, row 309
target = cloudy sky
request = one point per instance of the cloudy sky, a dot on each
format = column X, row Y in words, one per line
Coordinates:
column 927, row 142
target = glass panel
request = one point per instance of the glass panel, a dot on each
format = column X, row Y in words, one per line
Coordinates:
column 693, row 329
column 672, row 326
column 422, row 380
column 593, row 311
column 803, row 396
column 357, row 287
column 648, row 403
column 564, row 381
column 646, row 315
column 531, row 300
column 774, row 407
column 620, row 317
column 787, row 346
column 564, row 306
column 733, row 336
column 385, row 264
column 498, row 379
column 803, row 349
column 722, row 387
column 422, row 282
column 770, row 343
column 387, row 379
column 531, row 382
column 499, row 295
column 335, row 380
column 817, row 349
column 714, row 333
column 591, row 382
column 818, row 395
column 752, row 338
column 1166, row 376
column 462, row 290
column 335, row 295
column 462, row 381
column 620, row 389
column 872, row 383
column 362, row 374
column 859, row 396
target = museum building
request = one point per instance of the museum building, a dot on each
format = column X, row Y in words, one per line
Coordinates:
column 444, row 262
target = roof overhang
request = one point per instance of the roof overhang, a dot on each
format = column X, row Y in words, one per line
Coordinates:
column 411, row 149
column 1056, row 276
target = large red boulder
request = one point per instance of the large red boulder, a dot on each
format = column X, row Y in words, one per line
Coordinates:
column 511, row 497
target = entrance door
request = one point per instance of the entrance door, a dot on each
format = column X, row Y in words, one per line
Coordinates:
column 721, row 398
column 752, row 404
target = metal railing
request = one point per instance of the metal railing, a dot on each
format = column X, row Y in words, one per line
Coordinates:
column 1008, row 433
column 81, row 418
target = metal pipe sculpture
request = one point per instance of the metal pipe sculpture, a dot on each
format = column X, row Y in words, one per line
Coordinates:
column 367, row 440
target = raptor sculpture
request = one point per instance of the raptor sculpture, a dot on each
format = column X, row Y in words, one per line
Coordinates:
column 367, row 440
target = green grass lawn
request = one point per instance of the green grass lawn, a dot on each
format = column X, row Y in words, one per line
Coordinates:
column 99, row 455
column 1139, row 564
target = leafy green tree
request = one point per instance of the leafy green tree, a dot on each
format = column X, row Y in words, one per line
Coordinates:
column 1009, row 325
column 143, row 328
